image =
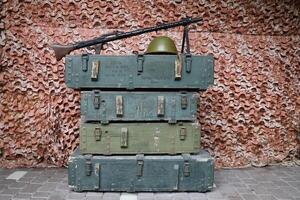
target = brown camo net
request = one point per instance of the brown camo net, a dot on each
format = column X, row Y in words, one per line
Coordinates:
column 251, row 116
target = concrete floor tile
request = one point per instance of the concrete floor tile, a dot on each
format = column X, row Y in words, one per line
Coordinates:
column 180, row 196
column 240, row 184
column 25, row 179
column 41, row 194
column 145, row 198
column 215, row 194
column 47, row 187
column 266, row 197
column 17, row 185
column 249, row 197
column 5, row 196
column 93, row 198
column 163, row 196
column 111, row 195
column 31, row 188
column 280, row 183
column 11, row 191
column 23, row 196
column 128, row 196
column 234, row 197
column 57, row 196
column 62, row 187
column 16, row 175
column 197, row 196
column 280, row 194
column 75, row 195
column 94, row 194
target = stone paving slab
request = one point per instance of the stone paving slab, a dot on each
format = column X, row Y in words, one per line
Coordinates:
column 269, row 183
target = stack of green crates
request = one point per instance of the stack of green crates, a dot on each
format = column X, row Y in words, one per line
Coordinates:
column 139, row 130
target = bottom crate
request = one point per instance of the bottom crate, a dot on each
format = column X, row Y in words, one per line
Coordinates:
column 141, row 173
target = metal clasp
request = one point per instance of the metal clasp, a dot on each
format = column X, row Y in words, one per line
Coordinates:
column 160, row 106
column 119, row 105
column 140, row 63
column 186, row 169
column 95, row 69
column 188, row 62
column 124, row 137
column 182, row 133
column 88, row 165
column 98, row 133
column 140, row 164
column 178, row 67
column 84, row 62
column 97, row 99
column 186, row 165
column 184, row 102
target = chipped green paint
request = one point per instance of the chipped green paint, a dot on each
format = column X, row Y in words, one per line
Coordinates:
column 132, row 138
column 138, row 72
column 147, row 173
column 138, row 106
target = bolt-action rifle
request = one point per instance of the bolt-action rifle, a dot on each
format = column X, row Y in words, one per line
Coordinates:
column 62, row 50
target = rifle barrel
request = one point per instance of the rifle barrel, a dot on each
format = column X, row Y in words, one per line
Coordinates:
column 62, row 50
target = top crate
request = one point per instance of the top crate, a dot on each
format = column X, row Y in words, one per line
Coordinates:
column 135, row 72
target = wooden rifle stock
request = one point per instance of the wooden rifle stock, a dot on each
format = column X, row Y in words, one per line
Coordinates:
column 61, row 51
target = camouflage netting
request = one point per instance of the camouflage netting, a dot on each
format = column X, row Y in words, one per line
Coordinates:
column 250, row 116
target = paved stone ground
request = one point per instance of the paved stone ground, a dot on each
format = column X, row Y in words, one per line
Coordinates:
column 274, row 182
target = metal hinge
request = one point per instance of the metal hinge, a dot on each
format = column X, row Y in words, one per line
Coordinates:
column 186, row 165
column 160, row 106
column 119, row 105
column 184, row 102
column 188, row 62
column 88, row 165
column 95, row 69
column 97, row 173
column 97, row 99
column 124, row 137
column 84, row 62
column 172, row 119
column 140, row 63
column 98, row 134
column 182, row 133
column 178, row 67
column 140, row 164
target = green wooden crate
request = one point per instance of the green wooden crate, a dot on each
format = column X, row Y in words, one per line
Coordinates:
column 139, row 72
column 111, row 106
column 132, row 138
column 141, row 173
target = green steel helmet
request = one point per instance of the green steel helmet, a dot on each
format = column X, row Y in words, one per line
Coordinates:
column 162, row 45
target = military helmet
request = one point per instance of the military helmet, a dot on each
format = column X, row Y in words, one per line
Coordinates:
column 162, row 45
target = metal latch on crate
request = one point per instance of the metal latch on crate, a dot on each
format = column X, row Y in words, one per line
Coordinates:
column 97, row 99
column 184, row 102
column 186, row 165
column 160, row 106
column 88, row 165
column 119, row 105
column 98, row 134
column 140, row 164
column 95, row 69
column 182, row 133
column 124, row 137
column 140, row 63
column 84, row 62
column 188, row 63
